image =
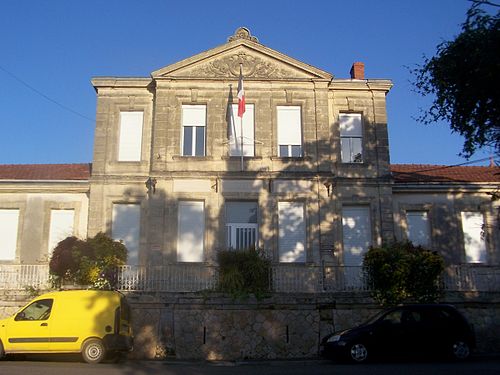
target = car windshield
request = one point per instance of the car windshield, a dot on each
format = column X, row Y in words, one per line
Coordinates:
column 375, row 317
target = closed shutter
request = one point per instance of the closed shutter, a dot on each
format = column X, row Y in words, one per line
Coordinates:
column 292, row 232
column 126, row 228
column 193, row 133
column 61, row 226
column 130, row 143
column 289, row 126
column 418, row 228
column 357, row 236
column 9, row 220
column 193, row 115
column 248, row 132
column 474, row 243
column 191, row 232
column 350, row 125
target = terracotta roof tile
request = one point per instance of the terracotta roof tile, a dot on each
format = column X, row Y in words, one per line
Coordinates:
column 408, row 173
column 45, row 171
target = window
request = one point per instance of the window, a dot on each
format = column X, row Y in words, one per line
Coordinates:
column 292, row 232
column 357, row 238
column 235, row 136
column 61, row 226
column 241, row 225
column 9, row 219
column 38, row 310
column 289, row 131
column 191, row 231
column 193, row 130
column 130, row 142
column 126, row 228
column 474, row 243
column 418, row 228
column 351, row 137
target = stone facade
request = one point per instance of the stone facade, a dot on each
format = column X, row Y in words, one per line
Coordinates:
column 162, row 178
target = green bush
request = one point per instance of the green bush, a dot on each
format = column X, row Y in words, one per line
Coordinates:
column 87, row 262
column 243, row 272
column 401, row 272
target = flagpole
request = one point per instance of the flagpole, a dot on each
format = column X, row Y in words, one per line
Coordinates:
column 240, row 87
column 241, row 141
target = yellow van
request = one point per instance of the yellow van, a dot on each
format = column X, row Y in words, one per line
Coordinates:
column 91, row 322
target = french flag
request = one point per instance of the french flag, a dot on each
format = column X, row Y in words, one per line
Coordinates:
column 241, row 96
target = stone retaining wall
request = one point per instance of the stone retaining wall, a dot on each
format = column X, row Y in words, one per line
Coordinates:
column 192, row 326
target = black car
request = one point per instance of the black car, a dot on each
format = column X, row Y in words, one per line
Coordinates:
column 404, row 330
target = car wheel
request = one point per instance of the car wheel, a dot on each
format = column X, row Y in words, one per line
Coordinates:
column 93, row 351
column 358, row 353
column 460, row 350
column 2, row 351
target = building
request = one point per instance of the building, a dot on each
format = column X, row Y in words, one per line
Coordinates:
column 304, row 174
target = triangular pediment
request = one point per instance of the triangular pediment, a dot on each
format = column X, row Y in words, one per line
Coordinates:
column 257, row 61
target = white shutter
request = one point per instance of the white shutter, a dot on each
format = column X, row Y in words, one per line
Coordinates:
column 289, row 125
column 130, row 142
column 194, row 115
column 191, row 232
column 61, row 226
column 248, row 132
column 292, row 232
column 357, row 236
column 474, row 244
column 9, row 221
column 126, row 228
column 350, row 125
column 418, row 228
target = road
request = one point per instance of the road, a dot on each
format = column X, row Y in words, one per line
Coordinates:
column 483, row 366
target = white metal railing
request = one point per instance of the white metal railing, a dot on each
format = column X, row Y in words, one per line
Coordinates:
column 472, row 277
column 343, row 279
column 20, row 276
column 283, row 278
column 181, row 277
column 295, row 278
column 241, row 236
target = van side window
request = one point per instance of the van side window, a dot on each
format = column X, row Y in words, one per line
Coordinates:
column 38, row 310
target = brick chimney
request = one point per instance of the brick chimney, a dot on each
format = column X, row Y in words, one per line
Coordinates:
column 358, row 70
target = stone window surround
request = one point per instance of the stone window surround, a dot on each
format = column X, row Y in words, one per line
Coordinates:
column 275, row 146
column 427, row 207
column 374, row 222
column 55, row 205
column 364, row 158
column 459, row 208
column 190, row 198
column 141, row 200
column 21, row 206
column 116, row 109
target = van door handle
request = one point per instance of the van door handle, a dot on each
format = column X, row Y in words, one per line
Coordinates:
column 44, row 325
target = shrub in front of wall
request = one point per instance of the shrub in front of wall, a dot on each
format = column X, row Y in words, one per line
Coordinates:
column 401, row 272
column 89, row 262
column 243, row 272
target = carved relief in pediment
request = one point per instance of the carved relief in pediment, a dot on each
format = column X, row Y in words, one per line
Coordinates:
column 252, row 67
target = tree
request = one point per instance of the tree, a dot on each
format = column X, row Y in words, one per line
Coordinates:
column 401, row 272
column 87, row 262
column 463, row 78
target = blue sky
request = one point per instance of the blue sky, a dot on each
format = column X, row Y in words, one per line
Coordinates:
column 57, row 46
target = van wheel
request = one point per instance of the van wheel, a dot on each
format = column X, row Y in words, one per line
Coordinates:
column 2, row 352
column 93, row 351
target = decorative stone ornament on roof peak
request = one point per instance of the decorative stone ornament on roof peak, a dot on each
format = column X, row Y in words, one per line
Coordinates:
column 242, row 33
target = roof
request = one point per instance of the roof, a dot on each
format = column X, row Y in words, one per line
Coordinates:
column 421, row 173
column 402, row 173
column 37, row 172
